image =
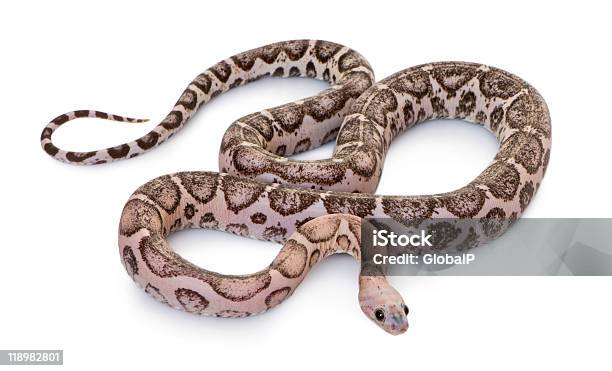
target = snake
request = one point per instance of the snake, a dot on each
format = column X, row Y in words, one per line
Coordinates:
column 316, row 208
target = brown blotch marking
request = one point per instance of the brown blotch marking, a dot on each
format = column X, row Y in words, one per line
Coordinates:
column 236, row 82
column 422, row 115
column 258, row 77
column 525, row 149
column 208, row 221
column 178, row 225
column 239, row 229
column 382, row 102
column 299, row 223
column 465, row 202
column 453, row 77
column 363, row 161
column 302, row 145
column 287, row 201
column 278, row 72
column 189, row 211
column 259, row 218
column 324, row 50
column 246, row 60
column 191, row 300
column 241, row 288
column 173, row 120
column 442, row 234
column 437, row 104
column 471, row 240
column 414, row 82
column 294, row 72
column 51, row 149
column 274, row 233
column 155, row 293
column 163, row 191
column 202, row 81
column 79, row 156
column 529, row 110
column 46, row 133
column 261, row 123
column 497, row 115
column 82, row 113
column 102, row 115
column 481, row 117
column 276, row 297
column 497, row 83
column 200, row 185
column 314, row 258
column 222, row 71
column 354, row 225
column 188, row 99
column 288, row 116
column 526, row 194
column 408, row 111
column 409, row 210
column 269, row 53
column 163, row 262
column 61, row 119
column 502, row 179
column 291, row 260
column 295, row 49
column 350, row 60
column 138, row 214
column 493, row 222
column 148, row 141
column 326, row 104
column 232, row 138
column 280, row 150
column 251, row 160
column 326, row 75
column 320, row 230
column 129, row 261
column 467, row 104
column 356, row 204
column 357, row 83
column 119, row 151
column 240, row 193
column 311, row 71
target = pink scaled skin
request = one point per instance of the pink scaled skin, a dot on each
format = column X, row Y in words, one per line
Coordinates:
column 314, row 207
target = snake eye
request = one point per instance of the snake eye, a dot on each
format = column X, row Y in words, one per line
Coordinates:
column 406, row 309
column 380, row 315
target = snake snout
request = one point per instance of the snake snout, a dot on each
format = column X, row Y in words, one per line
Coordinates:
column 398, row 325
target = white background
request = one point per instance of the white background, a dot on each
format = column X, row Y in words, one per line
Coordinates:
column 61, row 282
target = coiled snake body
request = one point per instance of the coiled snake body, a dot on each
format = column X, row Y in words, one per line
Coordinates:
column 315, row 207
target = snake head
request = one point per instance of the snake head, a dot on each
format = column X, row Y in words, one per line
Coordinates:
column 383, row 304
